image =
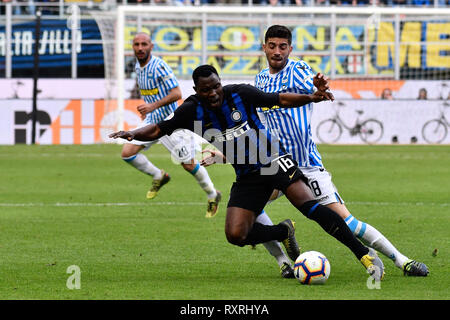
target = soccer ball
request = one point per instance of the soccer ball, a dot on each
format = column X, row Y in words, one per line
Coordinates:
column 312, row 267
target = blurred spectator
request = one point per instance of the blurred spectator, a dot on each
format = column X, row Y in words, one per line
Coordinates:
column 280, row 2
column 228, row 2
column 2, row 8
column 18, row 7
column 50, row 10
column 387, row 94
column 390, row 3
column 309, row 2
column 422, row 2
column 423, row 94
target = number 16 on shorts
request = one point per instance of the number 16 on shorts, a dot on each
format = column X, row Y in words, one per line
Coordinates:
column 285, row 163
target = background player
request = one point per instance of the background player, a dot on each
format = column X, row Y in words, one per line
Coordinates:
column 293, row 127
column 160, row 91
column 227, row 118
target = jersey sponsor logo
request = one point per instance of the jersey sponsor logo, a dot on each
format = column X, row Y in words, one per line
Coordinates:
column 231, row 134
column 271, row 108
column 149, row 92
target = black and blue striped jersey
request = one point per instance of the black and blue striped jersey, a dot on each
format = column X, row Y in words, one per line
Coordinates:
column 234, row 128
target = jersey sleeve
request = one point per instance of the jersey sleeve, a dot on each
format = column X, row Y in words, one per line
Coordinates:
column 166, row 76
column 303, row 77
column 182, row 118
column 258, row 98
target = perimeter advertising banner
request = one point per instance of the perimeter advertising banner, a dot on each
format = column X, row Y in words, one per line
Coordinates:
column 424, row 46
column 235, row 50
column 341, row 122
column 55, row 49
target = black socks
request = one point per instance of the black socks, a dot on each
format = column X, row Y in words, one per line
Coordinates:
column 334, row 225
column 261, row 233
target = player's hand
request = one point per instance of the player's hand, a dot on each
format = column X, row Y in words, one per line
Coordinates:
column 122, row 134
column 143, row 109
column 320, row 96
column 321, row 82
column 214, row 156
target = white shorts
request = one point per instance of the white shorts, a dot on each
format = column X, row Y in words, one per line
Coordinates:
column 323, row 189
column 182, row 144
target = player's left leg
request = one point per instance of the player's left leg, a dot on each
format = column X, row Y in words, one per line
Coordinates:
column 293, row 184
column 327, row 194
column 376, row 240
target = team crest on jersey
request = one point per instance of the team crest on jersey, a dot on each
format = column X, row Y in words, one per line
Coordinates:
column 236, row 116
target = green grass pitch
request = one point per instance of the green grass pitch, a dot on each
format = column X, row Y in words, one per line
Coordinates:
column 82, row 205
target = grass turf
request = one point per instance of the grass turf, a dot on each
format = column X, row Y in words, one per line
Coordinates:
column 81, row 205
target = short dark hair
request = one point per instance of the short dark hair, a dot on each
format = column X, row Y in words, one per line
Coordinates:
column 203, row 71
column 278, row 31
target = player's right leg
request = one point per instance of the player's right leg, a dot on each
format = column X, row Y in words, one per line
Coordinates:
column 274, row 248
column 248, row 197
column 241, row 228
column 131, row 154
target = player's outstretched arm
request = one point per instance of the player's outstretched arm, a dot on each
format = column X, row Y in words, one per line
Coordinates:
column 295, row 100
column 147, row 133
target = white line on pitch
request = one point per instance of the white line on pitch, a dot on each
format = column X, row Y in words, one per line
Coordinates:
column 179, row 203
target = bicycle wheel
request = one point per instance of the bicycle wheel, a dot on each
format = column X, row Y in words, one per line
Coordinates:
column 434, row 131
column 329, row 131
column 371, row 131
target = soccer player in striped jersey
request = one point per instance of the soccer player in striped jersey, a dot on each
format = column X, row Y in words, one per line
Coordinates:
column 160, row 91
column 227, row 118
column 293, row 127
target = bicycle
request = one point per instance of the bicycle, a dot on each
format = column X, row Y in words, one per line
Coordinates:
column 330, row 130
column 435, row 130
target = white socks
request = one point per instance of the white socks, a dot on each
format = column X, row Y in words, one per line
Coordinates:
column 374, row 239
column 141, row 162
column 201, row 175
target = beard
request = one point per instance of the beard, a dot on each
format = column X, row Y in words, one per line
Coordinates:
column 144, row 59
column 277, row 65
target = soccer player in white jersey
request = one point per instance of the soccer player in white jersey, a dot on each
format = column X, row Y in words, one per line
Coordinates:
column 160, row 91
column 293, row 127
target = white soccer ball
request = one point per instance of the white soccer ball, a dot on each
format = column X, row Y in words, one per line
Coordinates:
column 312, row 267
